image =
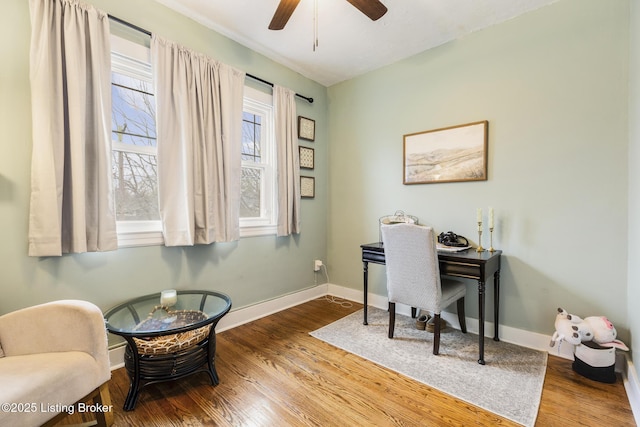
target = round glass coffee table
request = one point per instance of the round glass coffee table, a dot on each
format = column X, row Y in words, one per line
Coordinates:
column 169, row 337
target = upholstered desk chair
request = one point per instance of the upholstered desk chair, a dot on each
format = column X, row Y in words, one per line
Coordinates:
column 51, row 356
column 413, row 276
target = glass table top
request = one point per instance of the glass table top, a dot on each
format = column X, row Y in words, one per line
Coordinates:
column 148, row 316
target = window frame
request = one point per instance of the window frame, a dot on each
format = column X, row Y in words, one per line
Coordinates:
column 134, row 59
column 261, row 103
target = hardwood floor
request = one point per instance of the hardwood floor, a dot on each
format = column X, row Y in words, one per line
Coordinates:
column 273, row 373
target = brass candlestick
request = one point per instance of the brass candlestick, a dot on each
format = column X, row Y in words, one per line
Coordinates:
column 491, row 249
column 480, row 248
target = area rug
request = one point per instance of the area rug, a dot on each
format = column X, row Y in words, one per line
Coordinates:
column 510, row 384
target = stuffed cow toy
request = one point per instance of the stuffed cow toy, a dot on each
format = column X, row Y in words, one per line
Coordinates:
column 566, row 328
column 603, row 332
column 575, row 330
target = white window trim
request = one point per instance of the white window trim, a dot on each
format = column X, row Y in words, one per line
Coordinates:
column 139, row 233
column 133, row 59
column 262, row 103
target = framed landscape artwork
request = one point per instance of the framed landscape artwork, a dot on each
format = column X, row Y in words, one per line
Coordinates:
column 452, row 154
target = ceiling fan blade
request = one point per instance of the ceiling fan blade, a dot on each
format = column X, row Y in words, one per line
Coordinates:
column 372, row 8
column 283, row 13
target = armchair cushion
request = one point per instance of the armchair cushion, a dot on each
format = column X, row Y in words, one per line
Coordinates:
column 46, row 380
column 55, row 354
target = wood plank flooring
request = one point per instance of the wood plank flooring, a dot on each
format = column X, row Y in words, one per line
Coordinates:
column 273, row 373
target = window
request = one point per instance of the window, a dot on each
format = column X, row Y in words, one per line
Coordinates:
column 257, row 205
column 134, row 150
column 250, row 204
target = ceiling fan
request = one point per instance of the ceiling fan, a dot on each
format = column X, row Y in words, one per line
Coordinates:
column 372, row 8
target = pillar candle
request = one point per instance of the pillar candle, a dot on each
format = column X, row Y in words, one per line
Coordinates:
column 490, row 217
column 168, row 297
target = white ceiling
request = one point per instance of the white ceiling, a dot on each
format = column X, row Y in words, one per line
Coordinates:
column 349, row 43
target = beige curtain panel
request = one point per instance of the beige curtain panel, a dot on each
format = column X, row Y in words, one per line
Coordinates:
column 72, row 209
column 288, row 161
column 199, row 115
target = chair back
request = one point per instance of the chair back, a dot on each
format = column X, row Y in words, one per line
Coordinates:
column 413, row 273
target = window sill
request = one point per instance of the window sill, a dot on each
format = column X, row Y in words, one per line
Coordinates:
column 133, row 234
column 134, row 239
column 258, row 230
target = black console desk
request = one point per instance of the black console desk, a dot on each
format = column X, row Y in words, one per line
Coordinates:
column 468, row 264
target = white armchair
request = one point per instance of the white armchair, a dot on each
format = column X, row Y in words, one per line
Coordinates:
column 55, row 355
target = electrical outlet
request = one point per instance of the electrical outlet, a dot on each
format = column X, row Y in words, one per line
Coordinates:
column 317, row 264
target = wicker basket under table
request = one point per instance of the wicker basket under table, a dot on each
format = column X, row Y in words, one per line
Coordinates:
column 173, row 343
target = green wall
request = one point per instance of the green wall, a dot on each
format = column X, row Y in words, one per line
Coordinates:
column 553, row 85
column 634, row 178
column 250, row 271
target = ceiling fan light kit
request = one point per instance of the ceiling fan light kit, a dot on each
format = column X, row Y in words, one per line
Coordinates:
column 373, row 9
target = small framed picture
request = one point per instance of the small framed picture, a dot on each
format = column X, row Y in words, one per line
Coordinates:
column 307, row 187
column 306, row 157
column 306, row 128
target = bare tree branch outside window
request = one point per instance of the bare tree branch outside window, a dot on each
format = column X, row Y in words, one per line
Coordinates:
column 134, row 149
column 251, row 183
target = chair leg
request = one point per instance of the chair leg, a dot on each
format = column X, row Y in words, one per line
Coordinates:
column 414, row 312
column 99, row 397
column 103, row 399
column 392, row 318
column 461, row 316
column 436, row 333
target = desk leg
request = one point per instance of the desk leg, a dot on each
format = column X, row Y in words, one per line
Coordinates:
column 496, row 303
column 481, row 289
column 365, row 269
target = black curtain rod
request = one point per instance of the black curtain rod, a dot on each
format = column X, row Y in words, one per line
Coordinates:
column 130, row 25
column 142, row 30
column 309, row 99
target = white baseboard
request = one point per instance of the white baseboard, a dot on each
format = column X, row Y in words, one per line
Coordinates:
column 116, row 356
column 632, row 386
column 508, row 334
column 253, row 312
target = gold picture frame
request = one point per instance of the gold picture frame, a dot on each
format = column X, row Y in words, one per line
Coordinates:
column 306, row 128
column 307, row 187
column 307, row 157
column 451, row 154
